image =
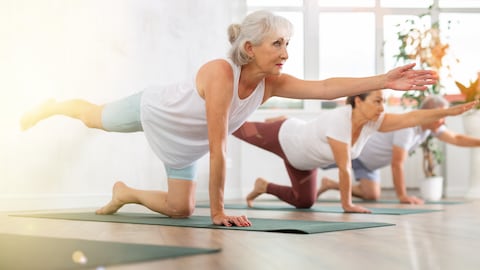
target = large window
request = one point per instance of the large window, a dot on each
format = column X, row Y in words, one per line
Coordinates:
column 358, row 38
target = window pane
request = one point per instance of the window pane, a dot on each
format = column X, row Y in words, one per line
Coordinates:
column 275, row 3
column 464, row 46
column 346, row 3
column 406, row 3
column 282, row 103
column 347, row 44
column 459, row 3
column 392, row 24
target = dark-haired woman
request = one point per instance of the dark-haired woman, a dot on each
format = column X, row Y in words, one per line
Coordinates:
column 334, row 137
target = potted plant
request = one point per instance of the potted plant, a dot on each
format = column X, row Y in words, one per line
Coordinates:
column 421, row 42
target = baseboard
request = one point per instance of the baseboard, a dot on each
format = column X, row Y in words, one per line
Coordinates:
column 455, row 192
column 27, row 202
column 34, row 202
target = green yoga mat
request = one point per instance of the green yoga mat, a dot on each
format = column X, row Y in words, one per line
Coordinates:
column 326, row 209
column 264, row 225
column 387, row 201
column 35, row 252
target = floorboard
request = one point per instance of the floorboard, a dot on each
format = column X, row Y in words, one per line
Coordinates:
column 448, row 239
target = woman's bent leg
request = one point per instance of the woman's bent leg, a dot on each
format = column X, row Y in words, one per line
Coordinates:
column 367, row 189
column 302, row 193
column 178, row 202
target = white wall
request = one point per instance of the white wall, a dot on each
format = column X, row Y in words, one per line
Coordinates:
column 99, row 50
column 457, row 163
column 102, row 50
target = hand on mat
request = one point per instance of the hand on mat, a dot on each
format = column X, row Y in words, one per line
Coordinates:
column 355, row 209
column 410, row 200
column 240, row 221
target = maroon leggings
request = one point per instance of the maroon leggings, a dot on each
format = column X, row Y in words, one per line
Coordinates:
column 302, row 193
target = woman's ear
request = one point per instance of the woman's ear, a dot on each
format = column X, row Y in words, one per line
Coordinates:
column 249, row 49
column 357, row 100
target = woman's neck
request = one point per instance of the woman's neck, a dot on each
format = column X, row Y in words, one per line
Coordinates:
column 249, row 79
column 358, row 121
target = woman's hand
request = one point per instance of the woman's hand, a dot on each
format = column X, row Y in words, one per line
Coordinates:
column 410, row 200
column 405, row 78
column 351, row 208
column 239, row 221
column 461, row 108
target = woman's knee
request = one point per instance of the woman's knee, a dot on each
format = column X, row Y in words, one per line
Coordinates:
column 181, row 210
column 371, row 194
column 305, row 202
column 370, row 189
column 181, row 197
column 91, row 116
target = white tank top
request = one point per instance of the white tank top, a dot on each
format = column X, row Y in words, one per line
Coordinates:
column 175, row 123
column 306, row 143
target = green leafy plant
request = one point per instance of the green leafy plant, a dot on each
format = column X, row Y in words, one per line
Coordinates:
column 432, row 156
column 421, row 43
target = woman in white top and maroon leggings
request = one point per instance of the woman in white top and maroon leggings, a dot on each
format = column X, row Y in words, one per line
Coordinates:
column 335, row 136
column 184, row 122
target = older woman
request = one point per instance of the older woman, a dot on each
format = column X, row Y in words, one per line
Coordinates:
column 185, row 121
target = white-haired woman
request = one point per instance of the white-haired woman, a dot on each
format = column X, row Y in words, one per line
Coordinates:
column 185, row 121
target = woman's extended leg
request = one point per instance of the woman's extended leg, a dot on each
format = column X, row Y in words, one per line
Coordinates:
column 178, row 202
column 90, row 114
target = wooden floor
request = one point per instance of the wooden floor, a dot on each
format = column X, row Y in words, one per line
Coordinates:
column 448, row 239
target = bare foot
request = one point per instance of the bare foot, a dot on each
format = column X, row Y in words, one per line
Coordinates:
column 259, row 188
column 116, row 203
column 32, row 117
column 326, row 184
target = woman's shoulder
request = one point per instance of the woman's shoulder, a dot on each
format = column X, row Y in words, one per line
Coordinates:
column 219, row 63
column 216, row 67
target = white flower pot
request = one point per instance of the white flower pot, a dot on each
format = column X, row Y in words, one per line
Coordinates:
column 431, row 188
column 471, row 124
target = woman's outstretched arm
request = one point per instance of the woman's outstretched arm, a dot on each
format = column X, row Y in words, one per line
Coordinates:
column 403, row 78
column 422, row 116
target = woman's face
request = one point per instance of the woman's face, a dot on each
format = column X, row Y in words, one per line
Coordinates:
column 271, row 54
column 372, row 106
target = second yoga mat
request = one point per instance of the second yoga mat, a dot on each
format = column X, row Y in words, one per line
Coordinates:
column 325, row 209
column 264, row 225
column 37, row 252
column 384, row 201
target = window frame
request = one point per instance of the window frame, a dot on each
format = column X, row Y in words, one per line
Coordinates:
column 311, row 11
